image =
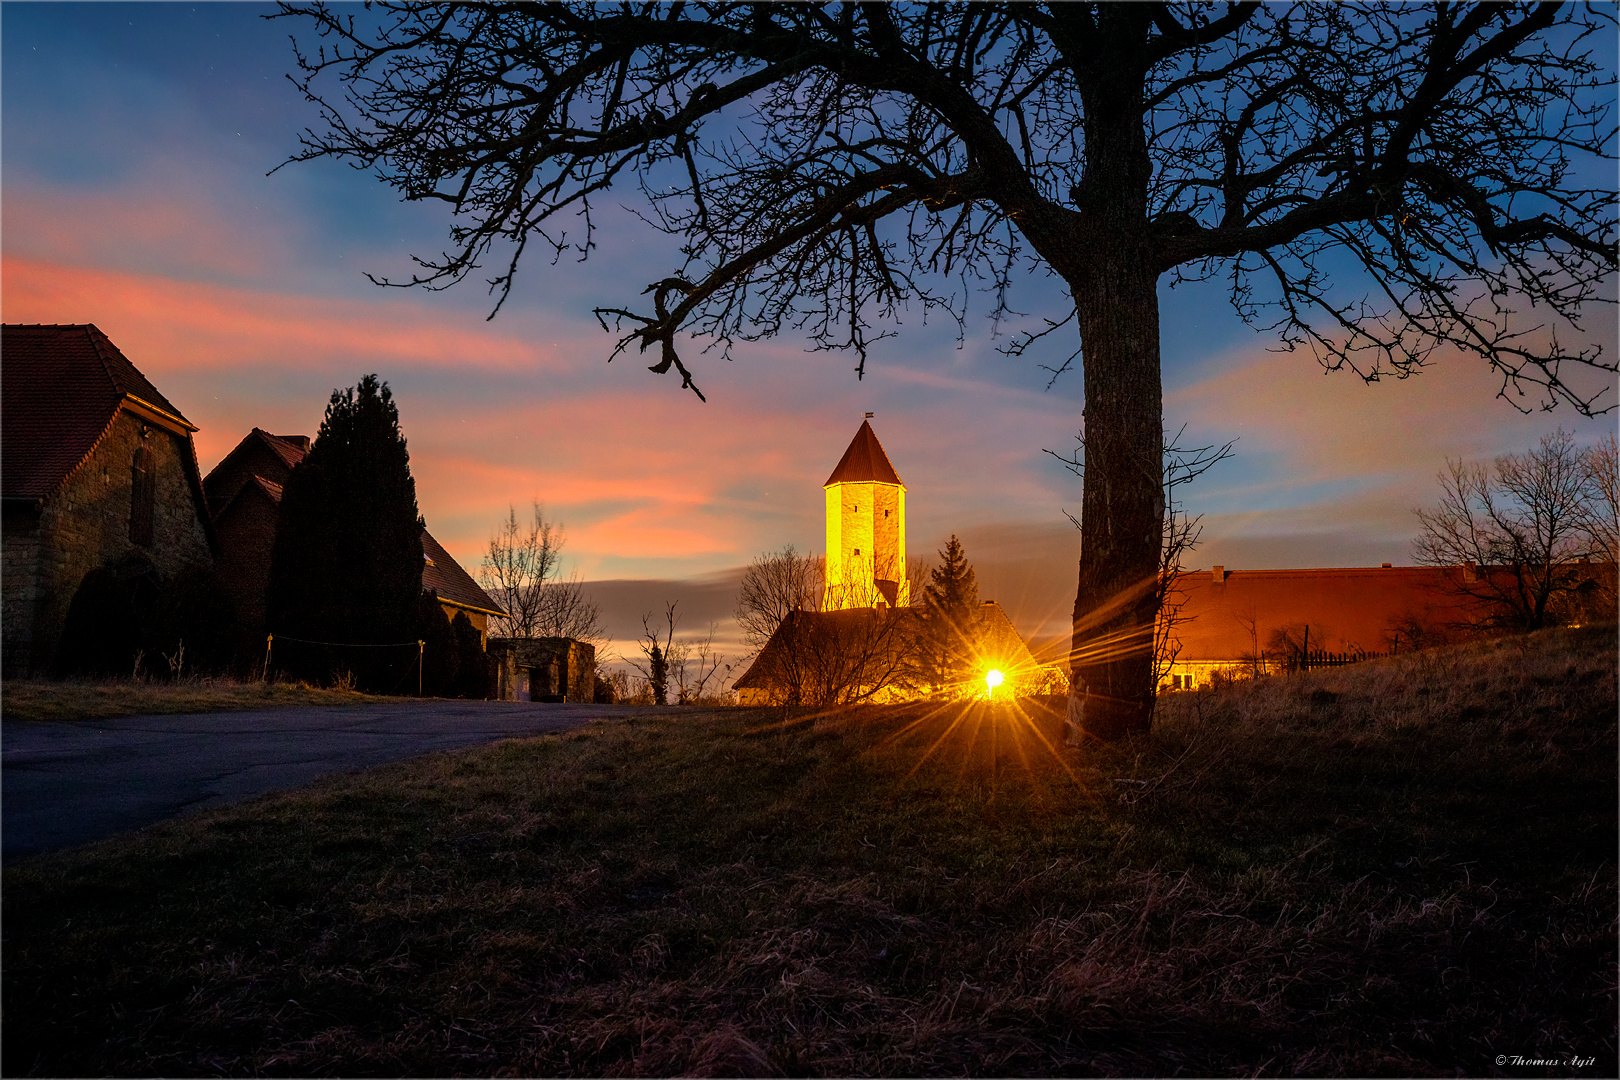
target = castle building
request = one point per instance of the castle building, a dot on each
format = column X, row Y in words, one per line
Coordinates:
column 866, row 529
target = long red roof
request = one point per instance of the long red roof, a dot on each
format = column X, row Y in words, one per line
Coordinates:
column 1347, row 608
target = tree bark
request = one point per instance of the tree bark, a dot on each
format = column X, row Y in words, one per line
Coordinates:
column 1122, row 512
column 1115, row 289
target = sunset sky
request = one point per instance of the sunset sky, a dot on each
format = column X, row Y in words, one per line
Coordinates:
column 136, row 145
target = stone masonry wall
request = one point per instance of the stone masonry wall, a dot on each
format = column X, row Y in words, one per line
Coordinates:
column 247, row 537
column 19, row 587
column 86, row 524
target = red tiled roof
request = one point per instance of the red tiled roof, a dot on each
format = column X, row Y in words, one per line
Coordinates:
column 1348, row 608
column 760, row 673
column 995, row 640
column 284, row 450
column 454, row 585
column 864, row 461
column 440, row 572
column 291, row 449
column 60, row 387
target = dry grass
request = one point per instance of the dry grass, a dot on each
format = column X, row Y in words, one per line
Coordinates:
column 46, row 699
column 1404, row 868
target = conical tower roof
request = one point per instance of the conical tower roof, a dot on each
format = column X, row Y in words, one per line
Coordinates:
column 864, row 462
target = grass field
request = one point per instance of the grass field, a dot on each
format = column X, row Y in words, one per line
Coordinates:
column 51, row 699
column 1401, row 868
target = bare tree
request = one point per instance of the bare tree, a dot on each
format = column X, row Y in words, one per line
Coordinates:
column 1514, row 529
column 521, row 559
column 828, row 167
column 1181, row 535
column 693, row 664
column 1600, row 513
column 567, row 611
column 522, row 573
column 656, row 646
column 1254, row 656
column 774, row 585
column 844, row 656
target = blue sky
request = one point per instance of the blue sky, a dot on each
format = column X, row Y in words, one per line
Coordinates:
column 134, row 154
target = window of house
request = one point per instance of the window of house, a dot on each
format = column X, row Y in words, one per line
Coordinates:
column 142, row 497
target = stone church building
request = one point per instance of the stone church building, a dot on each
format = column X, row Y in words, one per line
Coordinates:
column 97, row 469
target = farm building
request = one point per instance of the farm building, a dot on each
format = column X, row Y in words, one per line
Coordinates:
column 244, row 492
column 98, row 471
column 1254, row 622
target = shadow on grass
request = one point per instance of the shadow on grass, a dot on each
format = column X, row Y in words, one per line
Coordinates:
column 1404, row 868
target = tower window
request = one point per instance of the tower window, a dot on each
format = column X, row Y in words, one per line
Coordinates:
column 857, row 551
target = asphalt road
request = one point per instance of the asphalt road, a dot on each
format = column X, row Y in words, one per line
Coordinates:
column 64, row 783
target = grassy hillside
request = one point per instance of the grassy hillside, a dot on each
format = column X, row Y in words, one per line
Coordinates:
column 1401, row 868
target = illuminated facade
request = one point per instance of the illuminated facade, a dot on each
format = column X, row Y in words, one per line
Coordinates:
column 866, row 530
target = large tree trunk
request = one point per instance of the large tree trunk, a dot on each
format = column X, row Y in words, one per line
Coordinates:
column 1114, row 287
column 1122, row 513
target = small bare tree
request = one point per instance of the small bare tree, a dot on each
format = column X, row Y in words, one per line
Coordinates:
column 1515, row 529
column 566, row 611
column 844, row 656
column 1600, row 512
column 1181, row 536
column 522, row 573
column 522, row 558
column 693, row 664
column 655, row 647
column 1254, row 657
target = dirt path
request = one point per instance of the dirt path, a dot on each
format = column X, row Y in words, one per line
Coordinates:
column 71, row 782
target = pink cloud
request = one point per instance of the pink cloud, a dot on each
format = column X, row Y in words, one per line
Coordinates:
column 181, row 326
column 1334, row 426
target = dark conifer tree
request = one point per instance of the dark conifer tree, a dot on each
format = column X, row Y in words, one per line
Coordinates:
column 473, row 680
column 952, row 601
column 347, row 562
column 441, row 663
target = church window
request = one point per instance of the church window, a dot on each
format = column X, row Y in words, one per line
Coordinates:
column 142, row 497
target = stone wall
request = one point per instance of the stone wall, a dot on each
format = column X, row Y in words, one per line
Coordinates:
column 247, row 536
column 86, row 524
column 19, row 586
column 560, row 669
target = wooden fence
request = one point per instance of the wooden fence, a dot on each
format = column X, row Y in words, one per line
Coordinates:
column 1313, row 659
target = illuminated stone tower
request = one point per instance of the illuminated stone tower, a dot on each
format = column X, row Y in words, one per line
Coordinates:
column 866, row 529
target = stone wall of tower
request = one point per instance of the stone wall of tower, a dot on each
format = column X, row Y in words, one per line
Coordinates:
column 866, row 543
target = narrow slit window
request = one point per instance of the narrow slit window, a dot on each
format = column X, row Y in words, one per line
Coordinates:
column 142, row 497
